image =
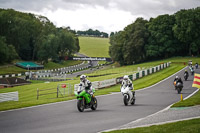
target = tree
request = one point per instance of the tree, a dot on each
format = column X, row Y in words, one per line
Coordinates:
column 7, row 52
column 68, row 44
column 136, row 38
column 115, row 49
column 161, row 42
column 187, row 29
column 3, row 50
column 127, row 47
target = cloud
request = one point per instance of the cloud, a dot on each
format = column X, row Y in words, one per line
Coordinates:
column 105, row 15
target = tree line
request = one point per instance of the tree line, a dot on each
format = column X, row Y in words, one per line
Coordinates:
column 31, row 37
column 90, row 32
column 161, row 37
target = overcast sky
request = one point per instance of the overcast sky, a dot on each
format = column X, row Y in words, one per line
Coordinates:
column 104, row 15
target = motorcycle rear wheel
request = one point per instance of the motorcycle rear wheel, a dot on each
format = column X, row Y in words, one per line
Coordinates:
column 179, row 90
column 133, row 102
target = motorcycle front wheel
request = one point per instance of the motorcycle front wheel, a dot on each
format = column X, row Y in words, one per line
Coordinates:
column 126, row 99
column 80, row 105
column 94, row 105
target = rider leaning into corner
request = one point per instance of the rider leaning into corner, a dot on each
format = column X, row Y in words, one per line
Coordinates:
column 86, row 84
column 127, row 82
column 178, row 79
column 186, row 72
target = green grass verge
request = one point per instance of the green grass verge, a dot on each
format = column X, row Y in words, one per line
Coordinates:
column 12, row 69
column 194, row 100
column 188, row 126
column 94, row 47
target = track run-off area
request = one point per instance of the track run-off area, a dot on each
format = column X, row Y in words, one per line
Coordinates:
column 64, row 116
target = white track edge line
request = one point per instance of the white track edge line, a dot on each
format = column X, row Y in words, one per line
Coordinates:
column 153, row 113
column 160, row 123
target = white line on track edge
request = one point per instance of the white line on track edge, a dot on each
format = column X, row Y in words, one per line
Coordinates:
column 158, row 111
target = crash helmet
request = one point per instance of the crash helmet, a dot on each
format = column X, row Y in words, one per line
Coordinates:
column 125, row 77
column 83, row 78
column 185, row 70
column 176, row 77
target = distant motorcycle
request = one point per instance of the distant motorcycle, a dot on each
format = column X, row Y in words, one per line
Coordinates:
column 192, row 70
column 128, row 95
column 178, row 86
column 85, row 100
column 185, row 76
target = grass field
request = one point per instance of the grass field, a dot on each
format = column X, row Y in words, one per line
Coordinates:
column 12, row 69
column 28, row 93
column 94, row 47
column 188, row 126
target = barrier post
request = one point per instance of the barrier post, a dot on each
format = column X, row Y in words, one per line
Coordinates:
column 181, row 97
column 37, row 93
column 57, row 92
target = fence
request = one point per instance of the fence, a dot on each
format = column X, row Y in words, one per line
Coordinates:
column 140, row 74
column 64, row 89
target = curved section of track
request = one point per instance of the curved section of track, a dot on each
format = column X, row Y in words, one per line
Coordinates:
column 110, row 113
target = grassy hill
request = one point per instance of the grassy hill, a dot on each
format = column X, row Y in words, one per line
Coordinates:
column 94, row 47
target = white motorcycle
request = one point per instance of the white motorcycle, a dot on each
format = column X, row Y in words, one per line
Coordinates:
column 129, row 96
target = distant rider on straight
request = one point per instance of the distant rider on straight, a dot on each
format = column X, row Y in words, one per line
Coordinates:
column 127, row 82
column 178, row 80
column 86, row 84
column 186, row 72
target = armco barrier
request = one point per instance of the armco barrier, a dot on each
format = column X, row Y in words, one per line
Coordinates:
column 100, row 84
column 110, row 82
column 10, row 96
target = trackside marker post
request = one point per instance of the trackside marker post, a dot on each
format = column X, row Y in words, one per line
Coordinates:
column 181, row 97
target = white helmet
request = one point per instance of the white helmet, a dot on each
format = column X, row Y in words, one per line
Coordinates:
column 176, row 77
column 83, row 78
column 126, row 77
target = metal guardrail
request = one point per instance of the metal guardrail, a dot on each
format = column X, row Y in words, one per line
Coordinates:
column 10, row 96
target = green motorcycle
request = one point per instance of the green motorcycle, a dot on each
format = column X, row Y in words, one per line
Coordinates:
column 85, row 100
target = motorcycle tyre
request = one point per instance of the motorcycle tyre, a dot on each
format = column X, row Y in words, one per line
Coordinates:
column 80, row 105
column 133, row 102
column 179, row 90
column 126, row 100
column 94, row 103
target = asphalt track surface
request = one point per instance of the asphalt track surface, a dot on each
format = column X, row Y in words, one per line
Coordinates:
column 64, row 117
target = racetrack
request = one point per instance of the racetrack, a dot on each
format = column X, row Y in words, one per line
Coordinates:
column 111, row 112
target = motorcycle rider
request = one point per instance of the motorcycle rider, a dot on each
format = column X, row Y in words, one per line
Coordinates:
column 192, row 70
column 127, row 82
column 186, row 72
column 179, row 80
column 175, row 81
column 86, row 84
column 176, row 78
column 196, row 65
